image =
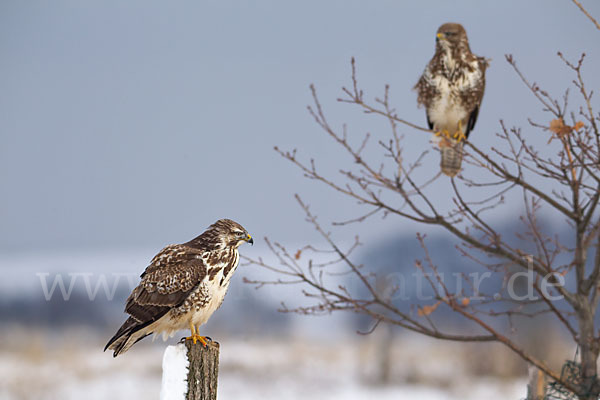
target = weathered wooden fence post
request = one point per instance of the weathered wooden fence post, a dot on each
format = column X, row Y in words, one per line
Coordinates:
column 190, row 372
column 536, row 388
column 203, row 370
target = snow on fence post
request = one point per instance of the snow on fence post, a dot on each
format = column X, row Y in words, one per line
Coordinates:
column 190, row 372
column 203, row 370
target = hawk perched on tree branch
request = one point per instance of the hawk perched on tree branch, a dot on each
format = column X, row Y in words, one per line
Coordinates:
column 183, row 285
column 451, row 89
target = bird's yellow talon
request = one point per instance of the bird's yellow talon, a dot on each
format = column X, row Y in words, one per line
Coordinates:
column 197, row 338
column 459, row 136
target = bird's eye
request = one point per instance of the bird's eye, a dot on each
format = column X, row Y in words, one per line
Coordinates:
column 241, row 234
column 449, row 33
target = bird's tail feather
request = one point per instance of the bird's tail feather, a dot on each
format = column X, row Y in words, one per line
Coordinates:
column 452, row 155
column 128, row 334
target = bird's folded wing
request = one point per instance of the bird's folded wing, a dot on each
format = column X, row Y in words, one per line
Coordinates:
column 170, row 278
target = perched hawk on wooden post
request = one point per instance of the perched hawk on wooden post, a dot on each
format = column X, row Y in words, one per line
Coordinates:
column 183, row 285
column 451, row 89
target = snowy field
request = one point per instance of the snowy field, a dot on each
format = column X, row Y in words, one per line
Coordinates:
column 69, row 366
column 264, row 355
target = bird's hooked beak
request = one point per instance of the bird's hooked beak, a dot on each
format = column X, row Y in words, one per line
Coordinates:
column 439, row 36
column 250, row 240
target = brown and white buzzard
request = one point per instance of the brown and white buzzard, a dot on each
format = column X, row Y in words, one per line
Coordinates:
column 451, row 89
column 182, row 287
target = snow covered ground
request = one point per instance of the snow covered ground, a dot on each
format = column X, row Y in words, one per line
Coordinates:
column 72, row 367
column 322, row 359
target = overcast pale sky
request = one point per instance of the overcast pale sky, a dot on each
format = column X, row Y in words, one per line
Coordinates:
column 139, row 123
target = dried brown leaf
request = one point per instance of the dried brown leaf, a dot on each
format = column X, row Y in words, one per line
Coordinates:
column 578, row 125
column 558, row 126
column 426, row 310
